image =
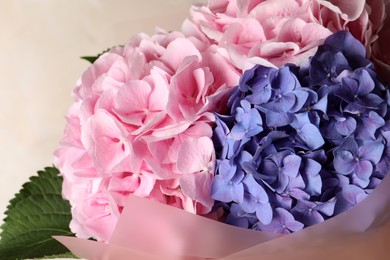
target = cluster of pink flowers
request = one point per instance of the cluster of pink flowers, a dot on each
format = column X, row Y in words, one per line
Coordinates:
column 142, row 118
column 276, row 32
column 140, row 125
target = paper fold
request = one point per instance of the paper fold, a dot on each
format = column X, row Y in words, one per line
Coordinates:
column 149, row 230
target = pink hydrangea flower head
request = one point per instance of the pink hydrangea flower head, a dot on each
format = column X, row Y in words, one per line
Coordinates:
column 276, row 32
column 142, row 112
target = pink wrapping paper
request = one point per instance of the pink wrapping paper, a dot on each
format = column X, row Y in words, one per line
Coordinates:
column 149, row 230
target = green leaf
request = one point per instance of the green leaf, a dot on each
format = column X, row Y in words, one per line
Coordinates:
column 92, row 59
column 66, row 255
column 33, row 216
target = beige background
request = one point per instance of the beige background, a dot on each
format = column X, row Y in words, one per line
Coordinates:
column 40, row 45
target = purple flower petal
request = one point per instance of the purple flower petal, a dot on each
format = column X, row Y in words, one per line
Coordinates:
column 363, row 170
column 264, row 213
column 321, row 105
column 345, row 126
column 282, row 222
column 344, row 162
column 311, row 135
column 301, row 98
column 353, row 194
column 368, row 126
column 291, row 164
column 256, row 190
column 226, row 191
column 371, row 152
column 311, row 176
column 274, row 119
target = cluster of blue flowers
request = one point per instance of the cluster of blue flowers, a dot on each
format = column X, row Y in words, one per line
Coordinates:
column 299, row 145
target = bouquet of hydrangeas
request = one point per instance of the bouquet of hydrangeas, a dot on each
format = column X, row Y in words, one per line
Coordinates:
column 258, row 119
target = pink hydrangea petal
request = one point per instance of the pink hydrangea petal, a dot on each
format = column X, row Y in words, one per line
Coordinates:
column 105, row 140
column 132, row 101
column 193, row 33
column 292, row 30
column 195, row 155
column 160, row 150
column 162, row 171
column 124, row 184
column 197, row 186
column 348, row 10
column 168, row 131
column 182, row 103
column 150, row 122
column 278, row 8
column 147, row 182
column 177, row 50
column 276, row 49
column 158, row 98
column 312, row 33
column 247, row 33
column 215, row 102
column 97, row 215
column 221, row 67
column 246, row 6
column 197, row 130
column 131, row 163
column 90, row 77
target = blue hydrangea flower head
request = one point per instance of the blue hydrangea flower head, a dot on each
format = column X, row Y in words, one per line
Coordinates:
column 301, row 144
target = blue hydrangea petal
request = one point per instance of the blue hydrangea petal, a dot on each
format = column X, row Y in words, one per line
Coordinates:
column 255, row 189
column 306, row 212
column 311, row 176
column 226, row 191
column 321, row 105
column 249, row 203
column 366, row 83
column 284, row 201
column 226, row 170
column 329, row 133
column 311, row 135
column 344, row 162
column 353, row 194
column 299, row 194
column 348, row 91
column 238, row 132
column 244, row 84
column 264, row 213
column 362, row 183
column 353, row 50
column 326, row 208
column 325, row 67
column 286, row 80
column 235, row 99
column 283, row 222
column 226, row 187
column 363, row 170
column 345, row 126
column 371, row 151
column 240, row 218
column 291, row 164
column 368, row 125
column 220, row 139
column 282, row 103
column 371, row 101
column 258, row 98
column 349, row 144
column 307, row 132
column 383, row 166
column 274, row 119
column 301, row 98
